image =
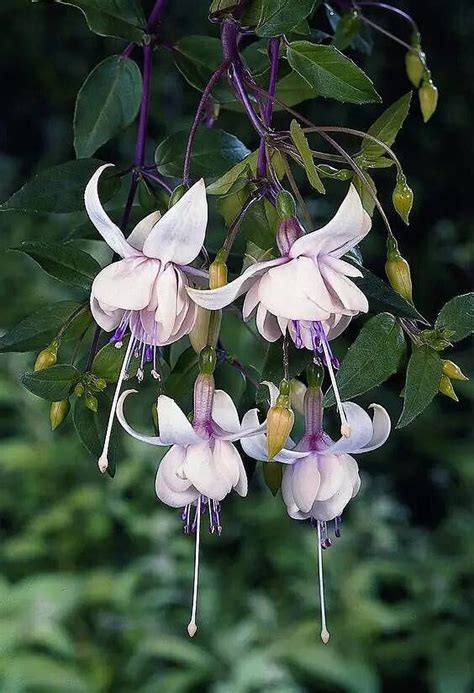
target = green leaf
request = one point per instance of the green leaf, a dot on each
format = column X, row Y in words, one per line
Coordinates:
column 196, row 57
column 214, row 152
column 91, row 428
column 61, row 188
column 179, row 384
column 53, row 383
column 106, row 104
column 64, row 262
column 273, row 367
column 422, row 382
column 367, row 199
column 458, row 315
column 330, row 73
column 38, row 330
column 238, row 175
column 373, row 357
column 386, row 127
column 120, row 18
column 259, row 224
column 273, row 475
column 301, row 143
column 108, row 361
column 292, row 89
column 281, row 16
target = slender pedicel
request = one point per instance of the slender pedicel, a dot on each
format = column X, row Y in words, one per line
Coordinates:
column 345, row 428
column 324, row 631
column 192, row 627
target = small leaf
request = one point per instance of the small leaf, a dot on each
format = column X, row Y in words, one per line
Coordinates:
column 386, row 127
column 281, row 16
column 458, row 315
column 106, row 104
column 214, row 152
column 368, row 200
column 301, row 143
column 108, row 361
column 63, row 262
column 91, row 427
column 61, row 188
column 273, row 475
column 330, row 73
column 422, row 382
column 53, row 383
column 373, row 357
column 121, row 18
column 238, row 175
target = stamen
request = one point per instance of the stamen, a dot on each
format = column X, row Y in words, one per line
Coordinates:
column 103, row 462
column 192, row 627
column 324, row 631
column 298, row 341
column 345, row 428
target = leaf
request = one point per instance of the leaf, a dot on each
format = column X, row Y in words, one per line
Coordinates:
column 331, row 73
column 458, row 315
column 196, row 57
column 273, row 475
column 292, row 89
column 64, row 262
column 61, row 188
column 179, row 384
column 386, row 127
column 373, row 357
column 106, row 104
column 273, row 367
column 53, row 383
column 423, row 376
column 91, row 428
column 108, row 361
column 214, row 152
column 259, row 224
column 367, row 199
column 238, row 175
column 37, row 330
column 301, row 143
column 121, row 18
column 281, row 16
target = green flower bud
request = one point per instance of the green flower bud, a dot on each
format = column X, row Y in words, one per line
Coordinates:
column 452, row 370
column 415, row 65
column 315, row 376
column 280, row 420
column 58, row 412
column 218, row 271
column 397, row 270
column 207, row 360
column 47, row 357
column 100, row 384
column 403, row 198
column 285, row 205
column 92, row 402
column 79, row 390
column 446, row 388
column 198, row 335
column 428, row 95
column 176, row 195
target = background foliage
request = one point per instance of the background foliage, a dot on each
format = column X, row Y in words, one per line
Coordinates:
column 96, row 575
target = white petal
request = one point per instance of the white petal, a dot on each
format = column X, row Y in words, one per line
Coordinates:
column 126, row 284
column 332, row 507
column 254, row 446
column 142, row 230
column 170, row 467
column 381, row 428
column 339, row 324
column 179, row 235
column 306, row 480
column 267, row 324
column 215, row 299
column 351, row 297
column 332, row 476
column 109, row 231
column 167, row 494
column 173, row 424
column 361, row 428
column 250, row 302
column 200, row 467
column 224, row 412
column 226, row 459
column 151, row 440
column 287, row 487
column 166, row 288
column 107, row 318
column 347, row 228
column 341, row 266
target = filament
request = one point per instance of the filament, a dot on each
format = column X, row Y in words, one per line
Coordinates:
column 192, row 627
column 324, row 631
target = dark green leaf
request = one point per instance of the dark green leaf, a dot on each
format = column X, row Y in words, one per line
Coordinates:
column 259, row 224
column 106, row 104
column 61, row 188
column 330, row 73
column 179, row 384
column 347, row 29
column 196, row 57
column 39, row 329
column 292, row 89
column 214, row 152
column 281, row 16
column 301, row 144
column 273, row 475
column 121, row 18
column 63, row 262
column 273, row 367
column 230, row 380
column 91, row 428
column 423, row 376
column 458, row 315
column 386, row 127
column 108, row 361
column 371, row 359
column 53, row 383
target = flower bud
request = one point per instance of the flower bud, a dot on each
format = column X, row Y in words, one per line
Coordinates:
column 428, row 95
column 446, row 388
column 58, row 412
column 79, row 390
column 218, row 271
column 198, row 335
column 285, row 205
column 452, row 370
column 176, row 195
column 47, row 357
column 402, row 198
column 398, row 272
column 207, row 360
column 280, row 420
column 415, row 65
column 337, row 173
column 92, row 402
column 289, row 231
column 100, row 384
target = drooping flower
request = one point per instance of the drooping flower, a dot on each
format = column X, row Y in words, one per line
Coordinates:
column 320, row 476
column 145, row 291
column 307, row 284
column 202, row 466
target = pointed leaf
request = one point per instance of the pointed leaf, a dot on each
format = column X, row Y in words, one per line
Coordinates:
column 301, row 143
column 458, row 315
column 281, row 16
column 386, row 127
column 423, row 376
column 64, row 262
column 121, row 18
column 53, row 383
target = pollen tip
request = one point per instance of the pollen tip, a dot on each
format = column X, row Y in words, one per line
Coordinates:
column 192, row 628
column 325, row 636
column 103, row 463
column 346, row 430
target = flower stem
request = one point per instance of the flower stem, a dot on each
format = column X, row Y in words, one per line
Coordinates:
column 273, row 54
column 234, row 227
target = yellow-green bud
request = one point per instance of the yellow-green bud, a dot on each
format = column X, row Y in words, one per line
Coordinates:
column 398, row 272
column 198, row 335
column 218, row 271
column 207, row 360
column 79, row 390
column 47, row 357
column 428, row 95
column 415, row 65
column 285, row 205
column 446, row 388
column 101, row 384
column 280, row 420
column 402, row 198
column 58, row 412
column 452, row 370
column 92, row 402
column 176, row 195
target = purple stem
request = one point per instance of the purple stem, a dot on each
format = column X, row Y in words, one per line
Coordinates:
column 273, row 55
column 155, row 14
column 157, row 179
column 390, row 8
column 241, row 92
column 139, row 158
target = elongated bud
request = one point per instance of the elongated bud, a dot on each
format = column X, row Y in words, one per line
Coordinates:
column 298, row 390
column 446, row 388
column 338, row 173
column 289, row 231
column 198, row 335
column 176, row 195
column 415, row 65
column 79, row 390
column 218, row 271
column 428, row 95
column 207, row 360
column 58, row 412
column 398, row 272
column 280, row 420
column 92, row 402
column 47, row 357
column 285, row 205
column 403, row 198
column 452, row 370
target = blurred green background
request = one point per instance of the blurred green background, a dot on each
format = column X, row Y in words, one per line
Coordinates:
column 96, row 575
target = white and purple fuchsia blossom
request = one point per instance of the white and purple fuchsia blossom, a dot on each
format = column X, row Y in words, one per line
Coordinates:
column 320, row 477
column 202, row 466
column 145, row 292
